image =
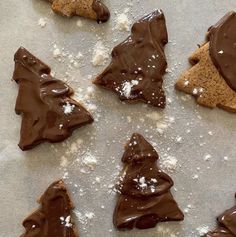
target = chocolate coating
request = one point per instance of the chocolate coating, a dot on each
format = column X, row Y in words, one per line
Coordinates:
column 101, row 10
column 138, row 64
column 144, row 190
column 222, row 38
column 226, row 225
column 48, row 112
column 53, row 218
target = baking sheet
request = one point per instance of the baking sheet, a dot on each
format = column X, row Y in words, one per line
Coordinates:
column 189, row 133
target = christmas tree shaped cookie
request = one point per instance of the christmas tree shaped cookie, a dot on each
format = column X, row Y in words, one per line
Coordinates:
column 53, row 218
column 226, row 225
column 212, row 77
column 48, row 112
column 144, row 190
column 93, row 9
column 139, row 63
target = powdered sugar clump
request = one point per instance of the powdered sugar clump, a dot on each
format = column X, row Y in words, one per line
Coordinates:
column 66, row 221
column 79, row 23
column 68, row 108
column 90, row 161
column 42, row 22
column 122, row 22
column 202, row 230
column 100, row 54
column 169, row 163
column 144, row 184
column 127, row 88
column 84, row 218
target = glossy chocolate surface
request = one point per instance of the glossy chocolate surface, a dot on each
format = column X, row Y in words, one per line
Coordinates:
column 222, row 37
column 139, row 63
column 226, row 224
column 53, row 218
column 144, row 190
column 48, row 112
column 101, row 10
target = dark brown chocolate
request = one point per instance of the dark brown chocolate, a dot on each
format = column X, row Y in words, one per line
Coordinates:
column 226, row 225
column 48, row 112
column 144, row 190
column 101, row 10
column 53, row 218
column 222, row 37
column 139, row 63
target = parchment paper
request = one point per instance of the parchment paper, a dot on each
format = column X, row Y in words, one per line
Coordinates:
column 190, row 132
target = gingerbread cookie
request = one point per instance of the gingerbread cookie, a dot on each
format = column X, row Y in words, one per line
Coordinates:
column 48, row 111
column 226, row 225
column 144, row 189
column 212, row 77
column 93, row 9
column 139, row 63
column 53, row 218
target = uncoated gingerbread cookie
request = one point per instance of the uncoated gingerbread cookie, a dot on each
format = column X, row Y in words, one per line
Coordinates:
column 93, row 9
column 212, row 77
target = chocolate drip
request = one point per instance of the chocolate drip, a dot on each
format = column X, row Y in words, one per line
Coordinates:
column 222, row 37
column 48, row 112
column 101, row 10
column 144, row 190
column 226, row 225
column 139, row 63
column 53, row 218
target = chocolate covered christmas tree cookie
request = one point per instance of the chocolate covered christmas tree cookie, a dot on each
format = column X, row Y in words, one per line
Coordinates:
column 53, row 218
column 93, row 9
column 226, row 225
column 144, row 190
column 139, row 63
column 48, row 112
column 212, row 77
